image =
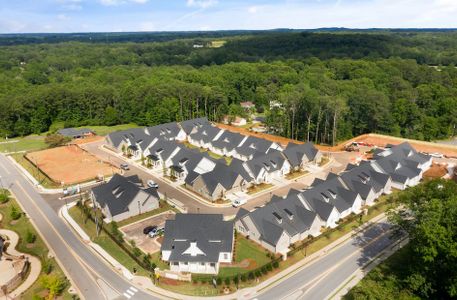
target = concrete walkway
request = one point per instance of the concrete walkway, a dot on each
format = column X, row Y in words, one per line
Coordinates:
column 35, row 265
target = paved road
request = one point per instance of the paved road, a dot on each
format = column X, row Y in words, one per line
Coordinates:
column 84, row 267
column 319, row 279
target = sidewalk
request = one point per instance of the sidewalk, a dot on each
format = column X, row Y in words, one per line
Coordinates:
column 146, row 283
column 35, row 265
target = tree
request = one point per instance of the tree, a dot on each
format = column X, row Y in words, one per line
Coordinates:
column 111, row 116
column 56, row 140
column 54, row 284
column 428, row 213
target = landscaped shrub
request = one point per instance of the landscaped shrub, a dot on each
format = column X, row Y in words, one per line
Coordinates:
column 15, row 213
column 269, row 267
column 243, row 277
column 251, row 276
column 137, row 252
column 47, row 265
column 275, row 264
column 219, row 281
column 3, row 197
column 236, row 280
column 227, row 281
column 258, row 273
column 264, row 270
column 30, row 237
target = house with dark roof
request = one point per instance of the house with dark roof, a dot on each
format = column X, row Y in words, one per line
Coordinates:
column 190, row 125
column 124, row 197
column 197, row 243
column 168, row 131
column 76, row 133
column 366, row 181
column 265, row 168
column 187, row 160
column 300, row 155
column 160, row 152
column 403, row 164
column 278, row 224
column 226, row 143
column 252, row 147
column 203, row 136
column 217, row 183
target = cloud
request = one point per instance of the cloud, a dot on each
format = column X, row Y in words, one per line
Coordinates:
column 70, row 4
column 201, row 3
column 253, row 9
column 62, row 17
column 119, row 2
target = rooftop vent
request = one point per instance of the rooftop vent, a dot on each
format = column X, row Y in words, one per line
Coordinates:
column 332, row 193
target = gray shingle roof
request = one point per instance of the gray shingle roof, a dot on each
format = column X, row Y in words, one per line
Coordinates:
column 189, row 125
column 74, row 133
column 211, row 233
column 205, row 133
column 119, row 192
column 297, row 153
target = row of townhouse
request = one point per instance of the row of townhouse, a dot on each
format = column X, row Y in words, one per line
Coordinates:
column 284, row 221
column 254, row 161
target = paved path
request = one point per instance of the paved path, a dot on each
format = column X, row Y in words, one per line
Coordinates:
column 35, row 265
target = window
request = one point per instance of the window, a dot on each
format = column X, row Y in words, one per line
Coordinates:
column 212, row 265
column 176, row 263
column 202, row 264
column 186, row 263
column 225, row 256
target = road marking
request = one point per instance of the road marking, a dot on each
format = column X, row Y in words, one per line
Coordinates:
column 127, row 296
column 133, row 289
column 130, row 292
column 5, row 169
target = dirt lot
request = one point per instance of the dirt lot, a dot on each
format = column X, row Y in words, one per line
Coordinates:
column 70, row 164
column 135, row 231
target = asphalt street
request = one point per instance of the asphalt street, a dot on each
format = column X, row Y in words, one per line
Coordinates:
column 319, row 279
column 84, row 267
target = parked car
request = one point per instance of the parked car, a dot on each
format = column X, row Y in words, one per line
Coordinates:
column 437, row 155
column 239, row 202
column 156, row 232
column 152, row 184
column 148, row 229
column 125, row 167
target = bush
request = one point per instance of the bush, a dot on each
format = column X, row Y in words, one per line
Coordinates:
column 275, row 264
column 264, row 270
column 54, row 284
column 219, row 281
column 243, row 277
column 227, row 281
column 15, row 213
column 55, row 140
column 251, row 276
column 3, row 197
column 258, row 273
column 47, row 265
column 137, row 252
column 30, row 237
column 236, row 280
column 269, row 267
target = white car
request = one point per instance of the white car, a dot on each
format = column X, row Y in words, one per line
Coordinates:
column 436, row 155
column 152, row 184
column 239, row 202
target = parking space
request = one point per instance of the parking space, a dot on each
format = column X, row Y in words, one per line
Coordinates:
column 143, row 241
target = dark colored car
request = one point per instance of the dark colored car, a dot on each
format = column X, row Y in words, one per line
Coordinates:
column 148, row 229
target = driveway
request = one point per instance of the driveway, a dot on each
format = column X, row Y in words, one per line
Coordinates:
column 134, row 231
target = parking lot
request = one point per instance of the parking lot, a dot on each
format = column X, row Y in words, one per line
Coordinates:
column 143, row 241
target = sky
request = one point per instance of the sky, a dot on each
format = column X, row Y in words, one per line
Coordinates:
column 22, row 16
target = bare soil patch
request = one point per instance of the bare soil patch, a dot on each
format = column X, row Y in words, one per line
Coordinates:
column 70, row 164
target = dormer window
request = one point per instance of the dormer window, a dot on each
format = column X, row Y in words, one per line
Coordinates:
column 367, row 177
column 277, row 217
column 363, row 179
column 273, row 163
column 289, row 214
column 332, row 193
column 398, row 166
column 326, row 198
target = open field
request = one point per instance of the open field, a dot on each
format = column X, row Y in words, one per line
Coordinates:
column 70, row 164
column 104, row 130
column 28, row 143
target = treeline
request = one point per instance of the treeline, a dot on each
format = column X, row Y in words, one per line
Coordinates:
column 322, row 101
column 432, row 48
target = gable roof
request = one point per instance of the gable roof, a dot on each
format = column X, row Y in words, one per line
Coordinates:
column 297, row 153
column 73, row 132
column 228, row 140
column 189, row 125
column 210, row 232
column 119, row 192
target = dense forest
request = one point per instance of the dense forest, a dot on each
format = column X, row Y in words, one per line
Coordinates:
column 331, row 85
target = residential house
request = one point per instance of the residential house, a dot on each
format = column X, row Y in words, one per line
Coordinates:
column 265, row 168
column 203, row 136
column 252, row 146
column 76, row 133
column 123, row 197
column 247, row 105
column 190, row 125
column 403, row 163
column 160, row 152
column 300, row 155
column 187, row 160
column 278, row 224
column 216, row 183
column 226, row 143
column 197, row 243
column 169, row 131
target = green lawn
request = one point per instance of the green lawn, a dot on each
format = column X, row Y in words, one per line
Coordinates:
column 28, row 143
column 36, row 173
column 39, row 249
column 164, row 206
column 104, row 130
column 105, row 241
